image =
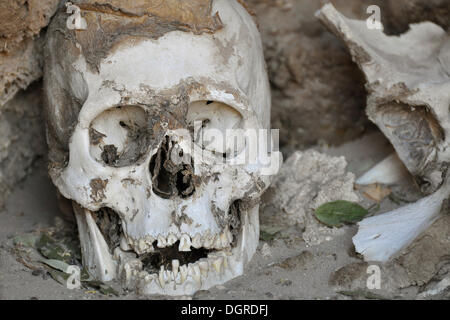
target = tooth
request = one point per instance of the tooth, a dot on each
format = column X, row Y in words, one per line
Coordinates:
column 203, row 265
column 149, row 240
column 224, row 240
column 134, row 264
column 171, row 239
column 225, row 263
column 224, row 255
column 184, row 273
column 132, row 267
column 197, row 241
column 124, row 244
column 175, row 266
column 161, row 242
column 142, row 246
column 217, row 242
column 217, row 264
column 212, row 255
column 196, row 273
column 208, row 241
column 162, row 281
column 150, row 278
column 185, row 243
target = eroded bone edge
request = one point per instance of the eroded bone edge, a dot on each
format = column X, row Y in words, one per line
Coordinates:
column 95, row 252
column 388, row 171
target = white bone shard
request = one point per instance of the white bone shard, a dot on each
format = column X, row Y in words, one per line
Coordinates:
column 380, row 237
column 95, row 251
column 389, row 171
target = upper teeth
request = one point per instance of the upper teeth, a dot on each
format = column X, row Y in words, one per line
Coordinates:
column 197, row 241
column 185, row 243
column 162, row 242
column 124, row 244
column 207, row 240
column 171, row 239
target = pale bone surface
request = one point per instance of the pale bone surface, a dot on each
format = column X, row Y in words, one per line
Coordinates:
column 120, row 119
column 408, row 83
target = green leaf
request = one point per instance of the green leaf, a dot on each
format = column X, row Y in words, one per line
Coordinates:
column 53, row 249
column 100, row 286
column 271, row 229
column 107, row 291
column 268, row 233
column 26, row 240
column 56, row 264
column 336, row 213
column 59, row 276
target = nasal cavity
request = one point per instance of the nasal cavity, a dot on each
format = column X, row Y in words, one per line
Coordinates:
column 172, row 171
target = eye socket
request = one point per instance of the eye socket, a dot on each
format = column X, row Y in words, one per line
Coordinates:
column 216, row 127
column 119, row 136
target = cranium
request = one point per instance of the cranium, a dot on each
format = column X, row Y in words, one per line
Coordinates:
column 154, row 205
column 408, row 84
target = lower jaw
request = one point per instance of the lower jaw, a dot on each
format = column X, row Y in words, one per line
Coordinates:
column 215, row 269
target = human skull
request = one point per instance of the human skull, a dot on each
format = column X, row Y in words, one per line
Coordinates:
column 156, row 206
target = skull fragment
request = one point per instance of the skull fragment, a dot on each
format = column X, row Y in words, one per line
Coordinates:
column 408, row 84
column 155, row 206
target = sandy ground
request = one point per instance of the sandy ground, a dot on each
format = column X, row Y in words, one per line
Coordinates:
column 33, row 205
